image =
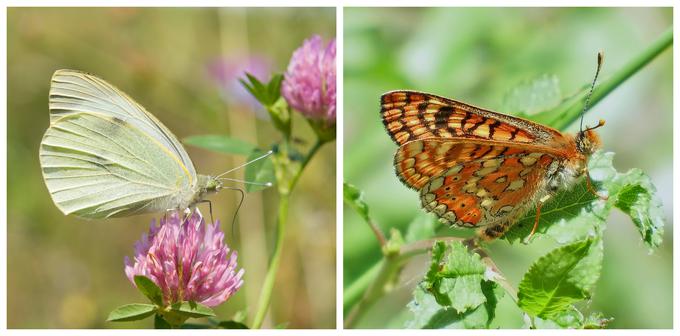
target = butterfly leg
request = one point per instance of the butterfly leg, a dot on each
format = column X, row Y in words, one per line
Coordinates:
column 539, row 205
column 212, row 220
column 592, row 190
column 187, row 214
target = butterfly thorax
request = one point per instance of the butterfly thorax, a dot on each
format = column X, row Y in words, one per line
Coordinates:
column 205, row 186
column 562, row 174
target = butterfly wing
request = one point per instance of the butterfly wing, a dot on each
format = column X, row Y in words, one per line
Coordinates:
column 473, row 167
column 74, row 91
column 411, row 115
column 473, row 184
column 105, row 156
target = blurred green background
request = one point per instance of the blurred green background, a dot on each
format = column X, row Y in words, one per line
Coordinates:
column 65, row 272
column 477, row 56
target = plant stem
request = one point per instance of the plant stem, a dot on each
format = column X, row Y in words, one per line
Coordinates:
column 568, row 113
column 270, row 278
column 268, row 286
column 354, row 291
column 388, row 268
column 500, row 279
column 317, row 145
column 377, row 232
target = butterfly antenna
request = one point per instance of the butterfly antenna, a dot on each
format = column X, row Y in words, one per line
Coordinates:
column 263, row 184
column 600, row 59
column 247, row 163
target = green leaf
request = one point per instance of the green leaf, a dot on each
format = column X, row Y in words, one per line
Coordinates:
column 279, row 111
column 149, row 289
column 428, row 314
column 637, row 199
column 195, row 326
column 562, row 277
column 531, row 97
column 160, row 323
column 354, row 198
column 221, row 143
column 131, row 312
column 191, row 309
column 250, row 89
column 569, row 318
column 232, row 325
column 455, row 277
column 596, row 321
column 258, row 89
column 274, row 88
column 266, row 93
column 260, row 171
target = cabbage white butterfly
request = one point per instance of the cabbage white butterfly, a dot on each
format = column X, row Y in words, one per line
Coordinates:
column 104, row 155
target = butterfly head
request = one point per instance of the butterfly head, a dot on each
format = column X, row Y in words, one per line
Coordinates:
column 588, row 141
column 209, row 184
column 214, row 185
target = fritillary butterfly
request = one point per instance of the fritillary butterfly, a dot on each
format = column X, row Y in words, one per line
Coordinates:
column 476, row 168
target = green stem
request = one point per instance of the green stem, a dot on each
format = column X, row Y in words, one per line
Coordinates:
column 268, row 286
column 270, row 278
column 356, row 289
column 387, row 269
column 570, row 112
column 317, row 145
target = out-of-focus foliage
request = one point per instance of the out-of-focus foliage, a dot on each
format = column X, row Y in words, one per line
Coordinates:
column 480, row 56
column 65, row 272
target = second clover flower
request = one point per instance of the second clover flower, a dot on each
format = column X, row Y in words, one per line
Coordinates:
column 309, row 84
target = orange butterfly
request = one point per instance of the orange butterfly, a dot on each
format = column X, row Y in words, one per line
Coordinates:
column 477, row 168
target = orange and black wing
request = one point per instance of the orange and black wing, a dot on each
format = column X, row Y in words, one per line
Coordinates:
column 473, row 184
column 411, row 115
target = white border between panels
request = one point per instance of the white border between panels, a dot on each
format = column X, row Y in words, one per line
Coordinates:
column 339, row 4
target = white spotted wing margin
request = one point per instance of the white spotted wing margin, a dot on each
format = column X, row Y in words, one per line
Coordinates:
column 104, row 155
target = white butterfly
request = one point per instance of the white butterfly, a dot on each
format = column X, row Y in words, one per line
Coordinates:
column 104, row 155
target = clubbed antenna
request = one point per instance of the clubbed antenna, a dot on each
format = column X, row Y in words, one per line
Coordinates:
column 600, row 59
